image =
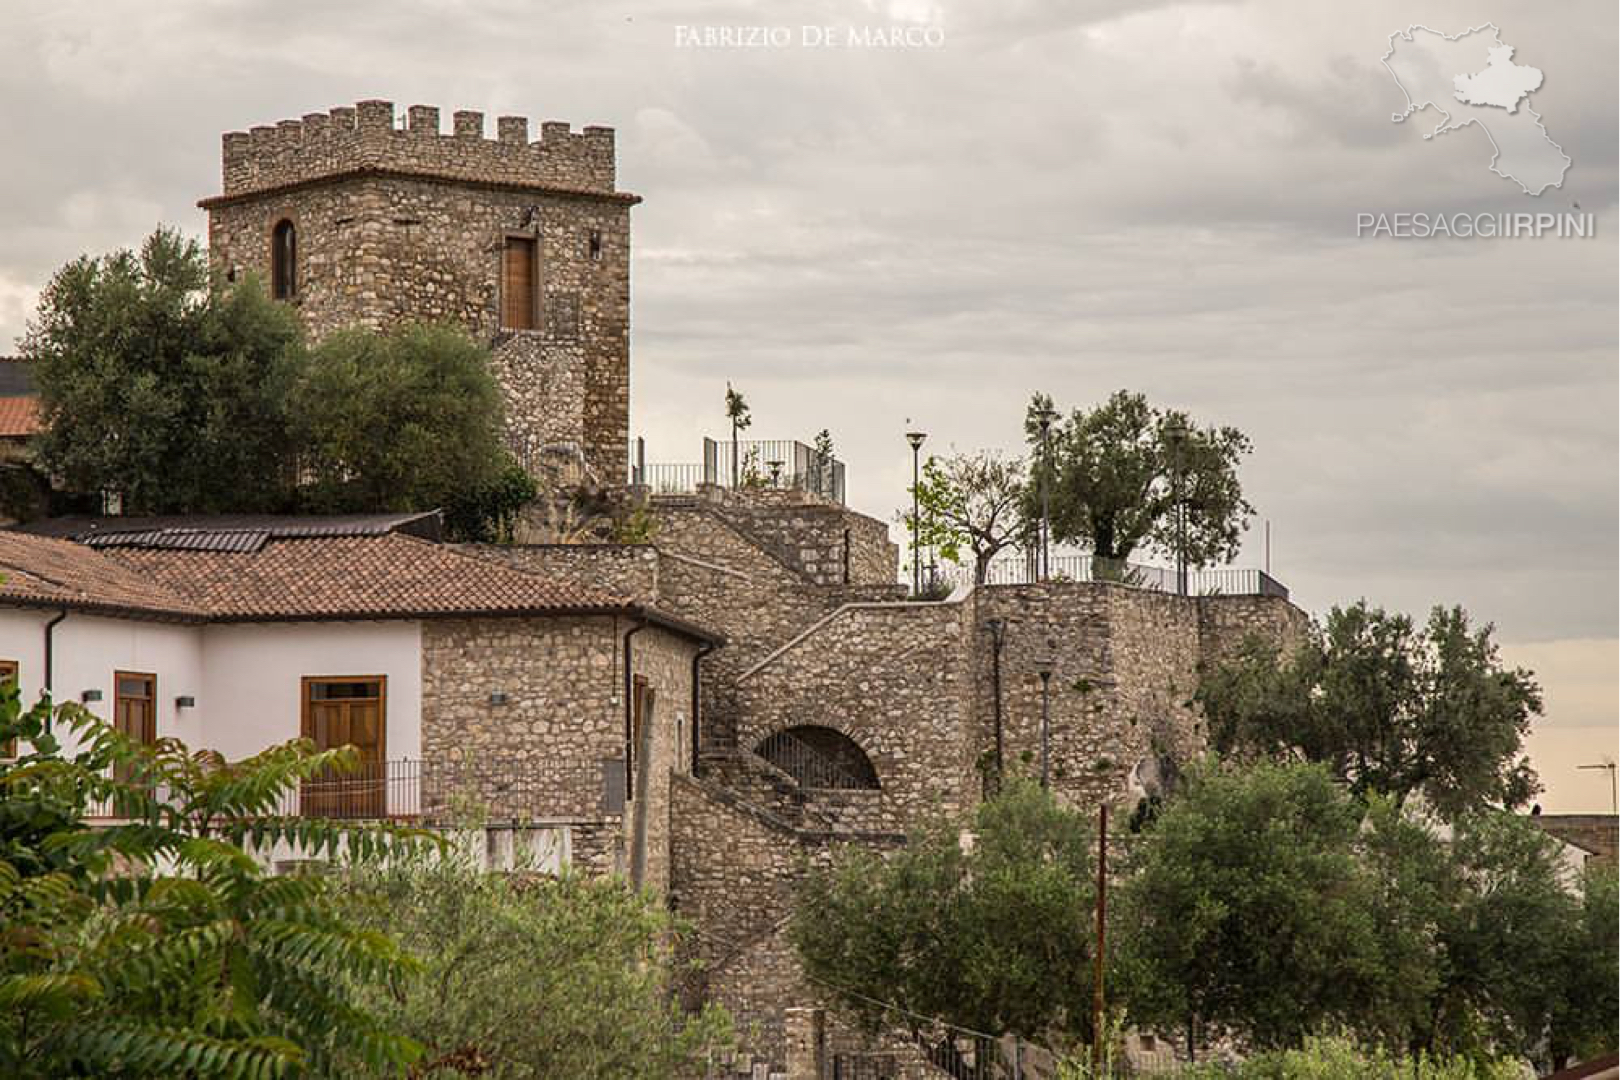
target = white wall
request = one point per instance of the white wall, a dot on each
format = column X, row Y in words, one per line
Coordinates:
column 89, row 648
column 246, row 678
column 253, row 672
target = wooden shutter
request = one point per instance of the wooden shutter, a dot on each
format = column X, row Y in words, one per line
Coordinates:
column 518, row 283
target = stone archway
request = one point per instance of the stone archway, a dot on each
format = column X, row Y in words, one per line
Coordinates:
column 820, row 757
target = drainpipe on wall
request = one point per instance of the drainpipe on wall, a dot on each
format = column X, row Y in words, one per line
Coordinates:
column 50, row 627
column 632, row 775
column 629, row 702
column 697, row 700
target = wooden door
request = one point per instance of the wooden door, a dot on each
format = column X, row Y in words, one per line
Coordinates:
column 518, row 284
column 134, row 710
column 347, row 711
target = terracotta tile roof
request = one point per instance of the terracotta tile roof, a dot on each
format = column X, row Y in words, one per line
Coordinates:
column 353, row 577
column 42, row 572
column 19, row 417
column 293, row 578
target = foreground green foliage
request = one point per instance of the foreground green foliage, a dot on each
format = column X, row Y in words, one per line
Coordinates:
column 183, row 395
column 1387, row 706
column 155, row 946
column 1341, row 1059
column 529, row 976
column 995, row 938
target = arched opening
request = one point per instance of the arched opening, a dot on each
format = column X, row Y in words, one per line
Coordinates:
column 284, row 261
column 820, row 757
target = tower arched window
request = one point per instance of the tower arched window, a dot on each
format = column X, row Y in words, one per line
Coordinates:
column 284, row 261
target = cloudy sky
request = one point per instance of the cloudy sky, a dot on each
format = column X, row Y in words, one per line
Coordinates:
column 1058, row 195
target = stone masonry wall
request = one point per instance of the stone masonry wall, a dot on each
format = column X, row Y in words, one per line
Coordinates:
column 733, row 873
column 665, row 662
column 817, row 538
column 365, row 137
column 563, row 719
column 419, row 237
column 895, row 678
column 627, row 570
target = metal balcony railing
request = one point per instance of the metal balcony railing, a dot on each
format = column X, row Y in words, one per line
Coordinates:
column 771, row 464
column 1023, row 569
column 439, row 791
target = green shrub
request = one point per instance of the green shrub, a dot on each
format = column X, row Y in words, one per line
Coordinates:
column 527, row 975
column 1340, row 1059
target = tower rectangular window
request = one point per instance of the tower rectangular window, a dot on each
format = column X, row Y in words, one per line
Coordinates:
column 518, row 283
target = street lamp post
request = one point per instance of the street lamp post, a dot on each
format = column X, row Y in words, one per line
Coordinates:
column 915, row 438
column 1044, row 666
column 1044, row 562
column 1175, row 434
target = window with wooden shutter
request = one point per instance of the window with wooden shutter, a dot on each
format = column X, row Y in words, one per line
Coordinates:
column 518, row 283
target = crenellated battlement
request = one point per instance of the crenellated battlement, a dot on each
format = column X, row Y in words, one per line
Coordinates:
column 366, row 137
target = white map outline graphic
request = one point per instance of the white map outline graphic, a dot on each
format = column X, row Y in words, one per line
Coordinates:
column 1449, row 124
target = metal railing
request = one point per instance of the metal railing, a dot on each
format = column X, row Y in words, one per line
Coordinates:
column 442, row 790
column 770, row 464
column 815, row 767
column 1022, row 569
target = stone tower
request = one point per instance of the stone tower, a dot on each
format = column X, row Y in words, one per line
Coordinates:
column 355, row 220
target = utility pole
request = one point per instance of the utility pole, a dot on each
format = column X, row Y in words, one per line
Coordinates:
column 1098, row 1009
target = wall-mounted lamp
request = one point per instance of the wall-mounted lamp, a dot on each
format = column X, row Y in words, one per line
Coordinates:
column 90, row 695
column 185, row 701
column 498, row 697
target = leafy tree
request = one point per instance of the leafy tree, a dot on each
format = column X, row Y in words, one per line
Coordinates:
column 1510, row 939
column 1248, row 910
column 1119, row 475
column 156, row 945
column 1411, row 881
column 741, row 417
column 1386, row 707
column 1586, row 1020
column 973, row 501
column 488, row 512
column 160, row 389
column 530, row 976
column 402, row 420
column 992, row 935
column 822, row 466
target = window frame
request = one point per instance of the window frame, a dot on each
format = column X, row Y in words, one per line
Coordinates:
column 306, row 700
